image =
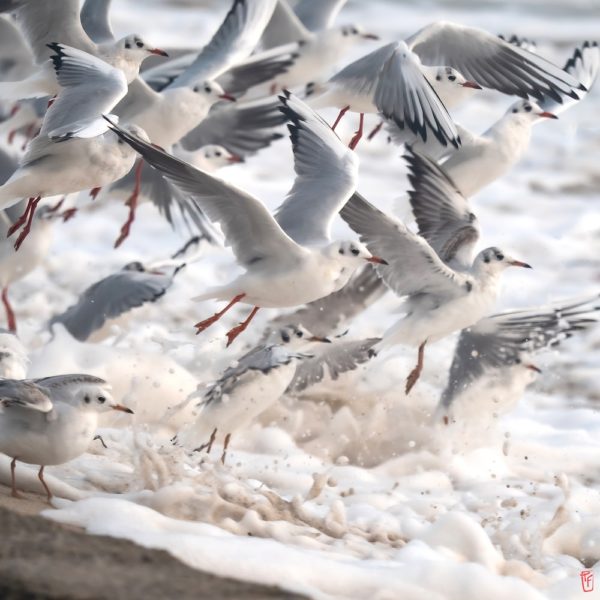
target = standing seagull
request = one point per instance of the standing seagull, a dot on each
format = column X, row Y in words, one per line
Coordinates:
column 446, row 289
column 404, row 83
column 290, row 259
column 52, row 420
column 496, row 351
column 44, row 23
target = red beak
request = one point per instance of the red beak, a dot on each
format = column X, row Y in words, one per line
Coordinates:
column 533, row 368
column 377, row 260
column 227, row 97
column 316, row 338
column 518, row 263
column 370, row 36
column 122, row 408
column 234, row 158
column 472, row 85
column 158, row 52
column 547, row 115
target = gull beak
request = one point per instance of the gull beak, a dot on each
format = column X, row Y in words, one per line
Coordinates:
column 377, row 260
column 518, row 263
column 227, row 97
column 370, row 36
column 472, row 85
column 158, row 52
column 122, row 408
column 547, row 115
column 533, row 368
column 316, row 338
column 235, row 158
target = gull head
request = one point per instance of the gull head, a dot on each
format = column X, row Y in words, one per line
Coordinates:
column 96, row 398
column 494, row 260
column 216, row 156
column 351, row 34
column 296, row 335
column 449, row 79
column 212, row 91
column 137, row 49
column 353, row 253
column 528, row 110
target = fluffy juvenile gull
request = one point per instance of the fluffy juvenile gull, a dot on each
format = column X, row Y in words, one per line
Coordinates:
column 52, row 420
column 446, row 289
column 290, row 258
column 495, row 353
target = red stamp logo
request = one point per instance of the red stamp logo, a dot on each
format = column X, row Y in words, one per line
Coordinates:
column 587, row 581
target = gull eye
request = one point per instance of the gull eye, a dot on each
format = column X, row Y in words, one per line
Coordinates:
column 528, row 108
column 218, row 153
column 451, row 77
column 207, row 89
column 500, row 256
column 101, row 399
column 355, row 251
column 139, row 44
column 299, row 334
column 354, row 31
column 87, row 399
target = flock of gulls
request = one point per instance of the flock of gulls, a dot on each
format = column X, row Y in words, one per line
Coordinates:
column 122, row 117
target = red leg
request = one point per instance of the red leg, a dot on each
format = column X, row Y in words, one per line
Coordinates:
column 22, row 219
column 13, row 479
column 225, row 446
column 375, row 131
column 94, row 192
column 202, row 325
column 68, row 214
column 41, row 478
column 132, row 203
column 30, row 133
column 414, row 375
column 57, row 206
column 354, row 141
column 10, row 314
column 233, row 333
column 25, row 232
column 339, row 117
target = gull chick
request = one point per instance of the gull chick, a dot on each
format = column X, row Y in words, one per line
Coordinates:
column 52, row 420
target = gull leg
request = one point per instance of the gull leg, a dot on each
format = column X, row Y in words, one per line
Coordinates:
column 132, row 202
column 225, row 446
column 13, row 111
column 202, row 325
column 414, row 375
column 31, row 206
column 10, row 313
column 94, row 192
column 21, row 220
column 41, row 478
column 99, row 437
column 13, row 479
column 375, row 131
column 30, row 133
column 233, row 333
column 208, row 445
column 354, row 141
column 339, row 117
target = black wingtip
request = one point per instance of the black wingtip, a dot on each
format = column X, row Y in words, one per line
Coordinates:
column 58, row 56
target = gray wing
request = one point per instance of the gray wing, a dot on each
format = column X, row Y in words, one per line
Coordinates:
column 249, row 228
column 441, row 211
column 241, row 128
column 340, row 358
column 25, row 394
column 324, row 316
column 111, row 297
column 317, row 15
column 503, row 340
column 284, row 27
column 96, row 22
column 492, row 62
column 261, row 358
column 413, row 265
column 56, row 382
column 584, row 65
column 49, row 21
column 326, row 175
column 91, row 87
column 235, row 39
column 171, row 202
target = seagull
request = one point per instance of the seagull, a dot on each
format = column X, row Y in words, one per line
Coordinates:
column 495, row 353
column 45, row 23
column 74, row 150
column 13, row 356
column 208, row 158
column 247, row 389
column 446, row 289
column 132, row 286
column 52, row 420
column 14, row 265
column 289, row 258
column 399, row 80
